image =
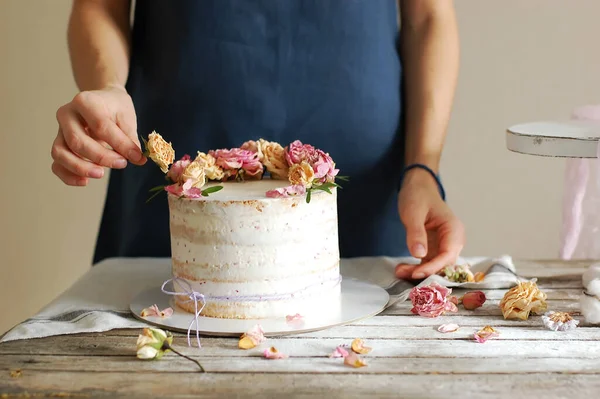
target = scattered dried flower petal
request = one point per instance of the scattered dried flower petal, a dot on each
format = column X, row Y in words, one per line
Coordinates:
column 523, row 299
column 479, row 277
column 459, row 273
column 473, row 300
column 454, row 299
column 354, row 360
column 340, row 351
column 295, row 318
column 16, row 373
column 446, row 328
column 153, row 311
column 358, row 347
column 272, row 353
column 485, row 333
column 559, row 321
column 252, row 337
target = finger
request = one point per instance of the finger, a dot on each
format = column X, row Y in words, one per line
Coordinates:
column 404, row 271
column 78, row 166
column 413, row 217
column 79, row 142
column 451, row 241
column 67, row 177
column 104, row 128
column 127, row 123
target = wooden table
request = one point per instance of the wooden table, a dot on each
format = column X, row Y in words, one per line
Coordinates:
column 409, row 358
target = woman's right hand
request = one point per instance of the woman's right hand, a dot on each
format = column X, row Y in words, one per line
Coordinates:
column 97, row 129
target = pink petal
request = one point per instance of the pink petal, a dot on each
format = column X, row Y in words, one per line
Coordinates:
column 339, row 352
column 174, row 189
column 272, row 353
column 446, row 328
column 294, row 318
column 353, row 360
column 168, row 312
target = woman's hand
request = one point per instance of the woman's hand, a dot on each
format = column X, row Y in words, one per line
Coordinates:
column 97, row 129
column 433, row 233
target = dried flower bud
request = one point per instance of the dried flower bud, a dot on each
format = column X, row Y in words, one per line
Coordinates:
column 459, row 273
column 473, row 300
column 153, row 343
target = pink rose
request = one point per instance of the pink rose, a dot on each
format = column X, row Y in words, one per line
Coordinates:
column 324, row 168
column 186, row 190
column 250, row 145
column 289, row 191
column 297, row 152
column 431, row 300
column 234, row 159
column 177, row 168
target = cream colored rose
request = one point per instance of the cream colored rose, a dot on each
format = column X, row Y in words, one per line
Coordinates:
column 195, row 172
column 523, row 299
column 211, row 170
column 301, row 174
column 160, row 151
column 272, row 155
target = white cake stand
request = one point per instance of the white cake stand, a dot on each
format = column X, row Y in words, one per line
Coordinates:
column 568, row 139
column 359, row 300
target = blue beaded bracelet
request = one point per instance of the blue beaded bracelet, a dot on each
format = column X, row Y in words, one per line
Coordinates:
column 431, row 172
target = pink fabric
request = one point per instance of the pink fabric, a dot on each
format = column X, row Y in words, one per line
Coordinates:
column 580, row 233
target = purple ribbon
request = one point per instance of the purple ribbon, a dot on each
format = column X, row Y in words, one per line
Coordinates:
column 193, row 296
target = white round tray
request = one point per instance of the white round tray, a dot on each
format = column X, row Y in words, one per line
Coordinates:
column 359, row 300
column 568, row 139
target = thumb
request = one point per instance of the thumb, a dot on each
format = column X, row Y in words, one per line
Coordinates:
column 413, row 218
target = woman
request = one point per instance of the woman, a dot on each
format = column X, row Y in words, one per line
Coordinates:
column 337, row 74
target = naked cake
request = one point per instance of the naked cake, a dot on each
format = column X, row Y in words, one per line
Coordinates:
column 253, row 229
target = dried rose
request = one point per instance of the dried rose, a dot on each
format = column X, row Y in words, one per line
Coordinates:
column 297, row 152
column 238, row 163
column 354, row 360
column 160, row 151
column 523, row 299
column 324, row 168
column 177, row 169
column 272, row 353
column 473, row 300
column 284, row 192
column 154, row 311
column 559, row 321
column 358, row 347
column 301, row 174
column 250, row 145
column 272, row 155
column 485, row 333
column 252, row 338
column 340, row 351
column 459, row 273
column 211, row 170
column 194, row 172
column 431, row 300
column 446, row 328
column 186, row 190
column 479, row 277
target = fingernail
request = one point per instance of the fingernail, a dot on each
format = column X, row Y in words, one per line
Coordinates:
column 419, row 250
column 418, row 275
column 119, row 163
column 97, row 173
column 134, row 155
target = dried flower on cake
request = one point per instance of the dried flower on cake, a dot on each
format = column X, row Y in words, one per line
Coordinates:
column 340, row 351
column 252, row 338
column 324, row 168
column 272, row 353
column 154, row 311
column 158, row 150
column 459, row 273
column 297, row 152
column 177, row 169
column 485, row 333
column 186, row 190
column 272, row 155
column 195, row 173
column 284, row 192
column 211, row 170
column 559, row 321
column 523, row 299
column 354, row 360
column 301, row 174
column 473, row 300
column 238, row 163
column 251, row 145
column 446, row 328
column 432, row 300
column 358, row 346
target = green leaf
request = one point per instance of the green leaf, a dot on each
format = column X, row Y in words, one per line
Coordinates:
column 342, row 178
column 211, row 190
column 308, row 195
column 153, row 195
column 157, row 188
column 322, row 188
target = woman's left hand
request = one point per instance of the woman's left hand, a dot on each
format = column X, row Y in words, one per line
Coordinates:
column 433, row 233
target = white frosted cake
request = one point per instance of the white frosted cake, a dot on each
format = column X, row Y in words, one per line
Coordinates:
column 256, row 257
column 252, row 246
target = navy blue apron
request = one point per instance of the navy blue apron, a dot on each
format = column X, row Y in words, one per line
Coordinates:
column 211, row 74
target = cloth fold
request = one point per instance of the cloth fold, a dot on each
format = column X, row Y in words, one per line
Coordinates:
column 99, row 300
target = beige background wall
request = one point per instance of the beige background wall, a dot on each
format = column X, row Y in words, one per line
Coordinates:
column 521, row 60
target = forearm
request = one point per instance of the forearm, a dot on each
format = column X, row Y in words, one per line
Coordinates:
column 99, row 41
column 430, row 53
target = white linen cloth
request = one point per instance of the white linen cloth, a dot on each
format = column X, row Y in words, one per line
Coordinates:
column 99, row 300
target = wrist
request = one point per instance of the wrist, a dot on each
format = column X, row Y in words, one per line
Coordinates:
column 421, row 175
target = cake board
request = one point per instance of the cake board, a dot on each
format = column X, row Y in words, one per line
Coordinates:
column 564, row 139
column 359, row 300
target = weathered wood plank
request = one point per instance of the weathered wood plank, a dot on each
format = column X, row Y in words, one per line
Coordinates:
column 187, row 385
column 171, row 363
column 310, row 347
